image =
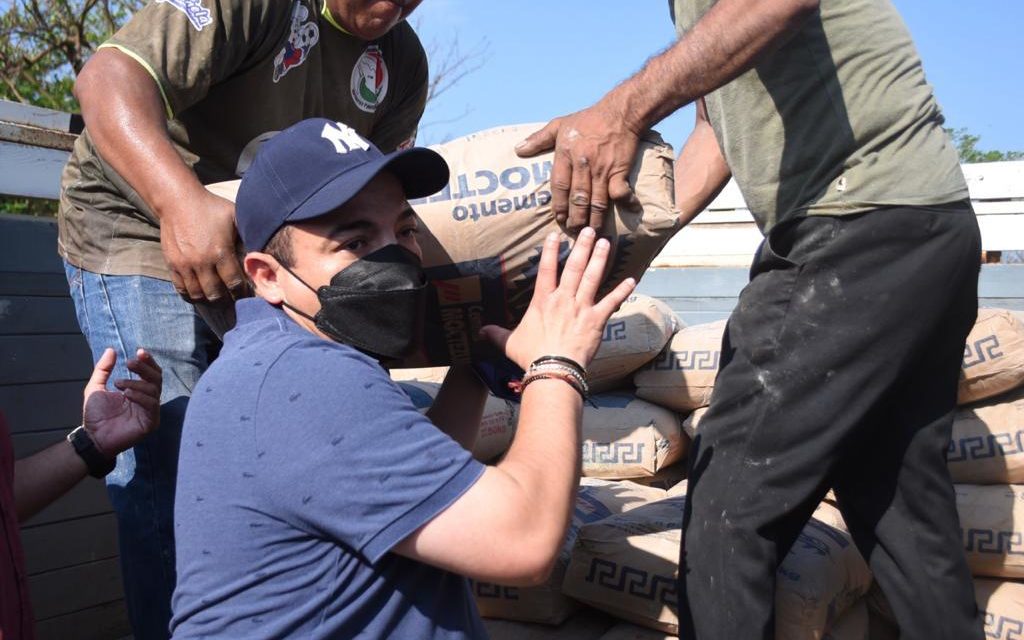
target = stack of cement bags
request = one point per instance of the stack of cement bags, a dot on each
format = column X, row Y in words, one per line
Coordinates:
column 986, row 462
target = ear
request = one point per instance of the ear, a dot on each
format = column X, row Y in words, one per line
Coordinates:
column 263, row 270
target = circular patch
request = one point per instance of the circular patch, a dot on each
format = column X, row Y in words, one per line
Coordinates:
column 369, row 80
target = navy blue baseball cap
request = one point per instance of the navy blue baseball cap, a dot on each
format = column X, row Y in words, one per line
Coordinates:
column 314, row 167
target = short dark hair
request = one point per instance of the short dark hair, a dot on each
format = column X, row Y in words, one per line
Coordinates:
column 280, row 246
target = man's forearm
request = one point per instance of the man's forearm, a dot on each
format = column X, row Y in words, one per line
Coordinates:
column 126, row 120
column 729, row 39
column 544, row 459
column 459, row 406
column 45, row 476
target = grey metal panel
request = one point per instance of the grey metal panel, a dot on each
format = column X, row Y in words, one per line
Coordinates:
column 28, row 244
column 34, row 284
column 102, row 622
column 26, row 315
column 75, row 588
column 54, row 358
column 72, row 542
column 39, row 407
column 88, row 498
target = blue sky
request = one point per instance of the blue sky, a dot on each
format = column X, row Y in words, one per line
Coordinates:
column 550, row 58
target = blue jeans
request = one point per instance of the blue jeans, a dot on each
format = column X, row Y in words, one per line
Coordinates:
column 128, row 312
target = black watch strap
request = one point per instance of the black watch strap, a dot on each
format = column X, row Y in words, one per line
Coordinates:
column 98, row 465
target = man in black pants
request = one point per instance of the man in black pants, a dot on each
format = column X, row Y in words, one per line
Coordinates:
column 840, row 362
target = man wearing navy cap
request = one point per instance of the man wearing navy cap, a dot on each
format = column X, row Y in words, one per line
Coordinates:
column 313, row 498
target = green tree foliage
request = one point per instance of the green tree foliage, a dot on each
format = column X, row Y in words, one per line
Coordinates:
column 967, row 146
column 44, row 43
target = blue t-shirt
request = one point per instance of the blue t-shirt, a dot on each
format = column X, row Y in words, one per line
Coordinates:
column 302, row 465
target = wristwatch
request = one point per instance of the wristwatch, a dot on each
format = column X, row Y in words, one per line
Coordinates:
column 98, row 464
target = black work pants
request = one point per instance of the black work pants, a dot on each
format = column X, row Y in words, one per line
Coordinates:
column 839, row 370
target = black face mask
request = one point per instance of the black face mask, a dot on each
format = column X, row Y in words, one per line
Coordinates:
column 375, row 304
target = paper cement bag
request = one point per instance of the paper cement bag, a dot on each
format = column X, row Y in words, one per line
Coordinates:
column 682, row 377
column 852, row 625
column 992, row 526
column 627, row 631
column 421, row 374
column 668, row 478
column 987, row 446
column 497, row 426
column 1002, row 606
column 627, row 565
column 482, row 234
column 822, row 576
column 993, row 357
column 585, row 624
column 597, row 499
column 624, row 437
column 691, row 423
column 633, row 336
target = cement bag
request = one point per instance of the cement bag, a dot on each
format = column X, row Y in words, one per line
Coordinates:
column 633, row 336
column 993, row 357
column 987, row 446
column 692, row 422
column 585, row 624
column 596, row 500
column 852, row 625
column 627, row 631
column 421, row 374
column 1002, row 607
column 624, row 437
column 682, row 377
column 497, row 426
column 627, row 565
column 822, row 576
column 992, row 525
column 668, row 478
column 481, row 236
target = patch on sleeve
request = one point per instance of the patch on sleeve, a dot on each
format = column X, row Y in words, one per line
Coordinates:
column 194, row 10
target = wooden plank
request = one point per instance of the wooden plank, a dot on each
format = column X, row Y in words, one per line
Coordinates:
column 28, row 244
column 39, row 407
column 75, row 588
column 694, row 282
column 31, row 171
column 37, row 137
column 26, row 444
column 107, row 621
column 34, row 284
column 69, row 543
column 1001, row 281
column 88, row 498
column 35, row 315
column 54, row 358
column 995, row 180
column 1002, row 233
column 36, row 116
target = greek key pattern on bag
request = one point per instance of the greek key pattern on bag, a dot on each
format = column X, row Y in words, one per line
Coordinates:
column 614, row 331
column 979, row 351
column 987, row 446
column 633, row 581
column 1001, row 627
column 495, row 591
column 701, row 360
column 613, row 452
column 1003, row 543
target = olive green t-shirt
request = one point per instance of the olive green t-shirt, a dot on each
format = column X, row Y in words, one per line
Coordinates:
column 232, row 73
column 838, row 120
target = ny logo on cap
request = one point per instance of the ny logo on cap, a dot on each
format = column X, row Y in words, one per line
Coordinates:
column 343, row 137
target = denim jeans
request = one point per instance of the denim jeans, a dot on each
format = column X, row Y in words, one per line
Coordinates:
column 128, row 312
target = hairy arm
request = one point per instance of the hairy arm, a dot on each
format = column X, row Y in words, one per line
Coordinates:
column 595, row 148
